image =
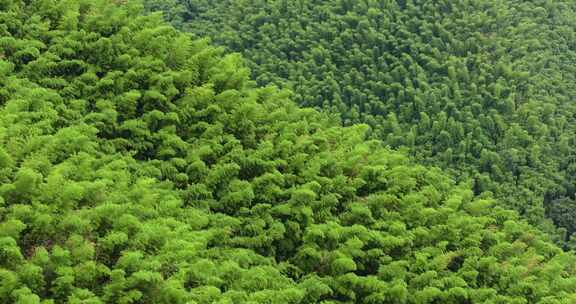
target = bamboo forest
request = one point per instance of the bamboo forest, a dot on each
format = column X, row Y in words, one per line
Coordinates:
column 288, row 151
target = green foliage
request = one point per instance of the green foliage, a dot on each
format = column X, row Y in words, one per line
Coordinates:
column 138, row 165
column 483, row 89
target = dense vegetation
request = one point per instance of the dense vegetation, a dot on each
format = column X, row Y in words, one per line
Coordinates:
column 484, row 89
column 140, row 166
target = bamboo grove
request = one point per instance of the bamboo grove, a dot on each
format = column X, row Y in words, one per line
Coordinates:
column 141, row 164
column 482, row 89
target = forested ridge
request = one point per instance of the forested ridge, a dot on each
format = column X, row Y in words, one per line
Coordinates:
column 483, row 89
column 141, row 165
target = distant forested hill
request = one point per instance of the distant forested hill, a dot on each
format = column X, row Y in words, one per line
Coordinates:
column 484, row 89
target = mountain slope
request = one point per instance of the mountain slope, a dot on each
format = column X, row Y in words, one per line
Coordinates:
column 484, row 89
column 140, row 166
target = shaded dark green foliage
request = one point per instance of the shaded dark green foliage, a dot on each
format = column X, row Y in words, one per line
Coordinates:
column 140, row 166
column 484, row 89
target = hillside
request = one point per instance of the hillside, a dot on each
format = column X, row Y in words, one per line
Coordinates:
column 138, row 165
column 483, row 89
